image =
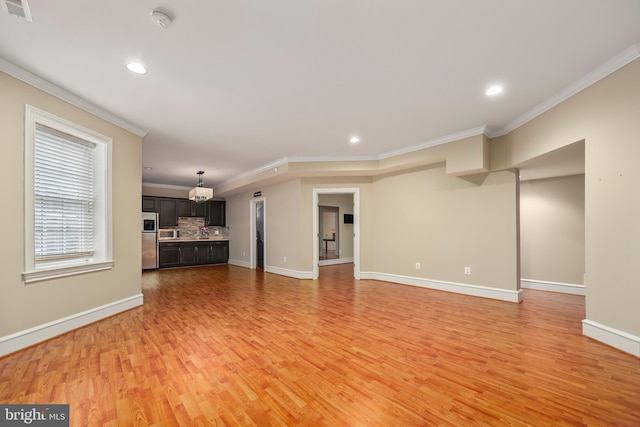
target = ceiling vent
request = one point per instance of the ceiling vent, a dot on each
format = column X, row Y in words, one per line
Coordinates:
column 19, row 8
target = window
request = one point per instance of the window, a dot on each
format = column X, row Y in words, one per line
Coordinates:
column 67, row 198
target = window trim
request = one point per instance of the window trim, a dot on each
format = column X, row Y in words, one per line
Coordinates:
column 103, row 257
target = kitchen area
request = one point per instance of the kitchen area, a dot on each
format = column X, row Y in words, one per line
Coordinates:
column 180, row 232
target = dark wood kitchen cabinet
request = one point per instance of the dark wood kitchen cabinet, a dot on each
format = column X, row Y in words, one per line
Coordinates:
column 167, row 212
column 195, row 253
column 216, row 213
column 199, row 209
column 219, row 252
column 187, row 254
column 191, row 208
column 169, row 255
column 184, row 207
column 182, row 254
column 149, row 204
column 203, row 253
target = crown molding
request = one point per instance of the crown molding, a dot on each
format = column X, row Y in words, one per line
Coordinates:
column 172, row 187
column 614, row 64
column 436, row 141
column 50, row 88
column 331, row 159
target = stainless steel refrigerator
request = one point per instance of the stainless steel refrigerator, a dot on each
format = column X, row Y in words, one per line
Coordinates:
column 149, row 240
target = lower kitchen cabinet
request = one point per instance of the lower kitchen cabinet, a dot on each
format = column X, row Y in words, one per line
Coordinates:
column 219, row 252
column 187, row 254
column 178, row 254
column 169, row 254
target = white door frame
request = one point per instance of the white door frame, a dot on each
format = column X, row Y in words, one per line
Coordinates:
column 356, row 228
column 253, row 206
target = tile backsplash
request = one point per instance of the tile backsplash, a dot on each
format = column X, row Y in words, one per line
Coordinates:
column 189, row 228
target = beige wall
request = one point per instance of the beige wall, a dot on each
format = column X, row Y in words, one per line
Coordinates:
column 552, row 229
column 28, row 306
column 606, row 116
column 447, row 223
column 180, row 193
column 282, row 225
column 239, row 223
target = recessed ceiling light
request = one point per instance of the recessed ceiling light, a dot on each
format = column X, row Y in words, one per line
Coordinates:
column 493, row 90
column 354, row 140
column 148, row 168
column 136, row 67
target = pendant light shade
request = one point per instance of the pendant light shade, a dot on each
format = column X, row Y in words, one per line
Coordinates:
column 200, row 194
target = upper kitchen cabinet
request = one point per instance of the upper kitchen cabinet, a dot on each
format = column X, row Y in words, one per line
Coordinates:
column 149, row 204
column 169, row 209
column 167, row 212
column 191, row 208
column 184, row 207
column 199, row 209
column 216, row 213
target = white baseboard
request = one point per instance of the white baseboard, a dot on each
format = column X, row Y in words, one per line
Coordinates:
column 323, row 262
column 296, row 274
column 613, row 337
column 31, row 336
column 290, row 273
column 458, row 288
column 239, row 263
column 542, row 285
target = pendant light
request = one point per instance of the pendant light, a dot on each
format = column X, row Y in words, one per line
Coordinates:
column 200, row 194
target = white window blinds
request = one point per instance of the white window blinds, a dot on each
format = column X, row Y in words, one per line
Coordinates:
column 63, row 195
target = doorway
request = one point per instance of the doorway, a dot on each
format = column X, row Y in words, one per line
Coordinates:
column 552, row 220
column 258, row 234
column 354, row 228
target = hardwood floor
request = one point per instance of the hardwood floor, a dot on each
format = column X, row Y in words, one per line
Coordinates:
column 224, row 345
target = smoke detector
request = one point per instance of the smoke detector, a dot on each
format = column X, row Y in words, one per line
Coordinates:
column 161, row 19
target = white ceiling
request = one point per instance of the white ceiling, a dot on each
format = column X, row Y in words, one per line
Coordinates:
column 236, row 85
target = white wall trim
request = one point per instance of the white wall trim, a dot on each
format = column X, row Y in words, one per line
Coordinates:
column 458, row 288
column 435, row 141
column 614, row 64
column 613, row 337
column 296, row 274
column 542, row 285
column 48, row 87
column 239, row 263
column 335, row 261
column 22, row 339
column 169, row 186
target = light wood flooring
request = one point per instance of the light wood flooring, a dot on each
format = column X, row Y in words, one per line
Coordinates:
column 224, row 345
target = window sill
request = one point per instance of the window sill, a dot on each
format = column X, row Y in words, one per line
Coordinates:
column 55, row 273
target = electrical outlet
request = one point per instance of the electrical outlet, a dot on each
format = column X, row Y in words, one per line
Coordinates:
column 417, row 266
column 285, row 259
column 467, row 270
column 244, row 253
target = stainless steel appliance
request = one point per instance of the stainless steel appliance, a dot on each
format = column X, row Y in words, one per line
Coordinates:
column 168, row 233
column 149, row 240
